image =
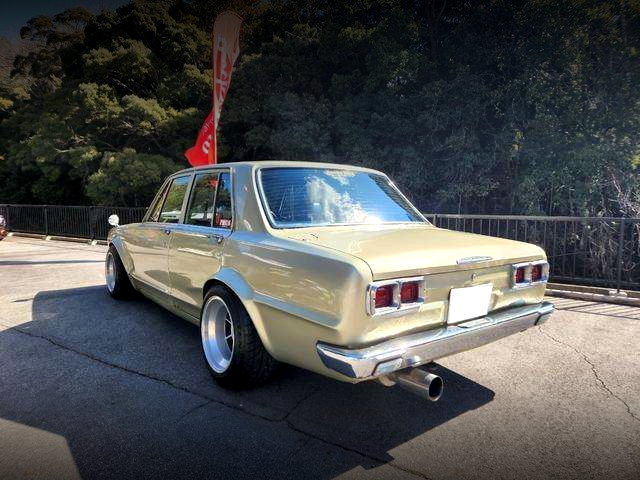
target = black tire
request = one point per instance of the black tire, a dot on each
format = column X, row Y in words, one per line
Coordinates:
column 250, row 364
column 121, row 287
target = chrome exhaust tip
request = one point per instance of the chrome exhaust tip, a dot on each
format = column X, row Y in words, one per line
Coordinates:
column 421, row 382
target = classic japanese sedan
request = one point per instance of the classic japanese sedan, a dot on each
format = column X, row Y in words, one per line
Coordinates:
column 326, row 267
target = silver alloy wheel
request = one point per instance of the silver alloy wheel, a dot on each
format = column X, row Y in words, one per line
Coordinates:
column 216, row 328
column 110, row 272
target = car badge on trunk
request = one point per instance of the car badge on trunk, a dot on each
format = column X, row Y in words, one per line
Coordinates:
column 476, row 259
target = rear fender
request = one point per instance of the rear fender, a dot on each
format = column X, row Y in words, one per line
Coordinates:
column 234, row 282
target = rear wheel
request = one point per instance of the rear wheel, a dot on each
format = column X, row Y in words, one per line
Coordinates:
column 118, row 283
column 232, row 348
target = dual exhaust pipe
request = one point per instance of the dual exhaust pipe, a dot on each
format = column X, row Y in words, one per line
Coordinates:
column 418, row 381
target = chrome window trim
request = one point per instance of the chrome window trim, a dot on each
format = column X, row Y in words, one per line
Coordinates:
column 274, row 224
column 219, row 170
column 159, row 197
column 185, row 199
column 398, row 306
column 528, row 266
column 192, row 191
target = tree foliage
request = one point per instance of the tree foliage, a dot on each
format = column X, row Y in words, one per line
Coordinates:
column 493, row 106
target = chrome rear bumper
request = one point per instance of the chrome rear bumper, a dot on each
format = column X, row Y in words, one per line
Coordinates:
column 424, row 347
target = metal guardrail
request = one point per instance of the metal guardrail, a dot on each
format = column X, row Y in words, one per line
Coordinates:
column 66, row 221
column 603, row 251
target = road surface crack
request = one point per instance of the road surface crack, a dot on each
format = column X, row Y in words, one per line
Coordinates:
column 191, row 410
column 136, row 372
column 298, row 403
column 208, row 400
column 599, row 379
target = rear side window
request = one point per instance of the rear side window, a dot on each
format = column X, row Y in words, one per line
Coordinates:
column 201, row 207
column 172, row 206
column 223, row 216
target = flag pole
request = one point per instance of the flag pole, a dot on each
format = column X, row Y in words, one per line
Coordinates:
column 213, row 150
column 225, row 48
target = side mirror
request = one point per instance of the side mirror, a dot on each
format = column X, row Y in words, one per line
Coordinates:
column 114, row 220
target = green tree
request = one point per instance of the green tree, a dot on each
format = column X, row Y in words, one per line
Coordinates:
column 105, row 90
column 494, row 106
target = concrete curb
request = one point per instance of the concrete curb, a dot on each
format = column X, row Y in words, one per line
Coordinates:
column 618, row 299
column 26, row 235
column 58, row 238
column 596, row 290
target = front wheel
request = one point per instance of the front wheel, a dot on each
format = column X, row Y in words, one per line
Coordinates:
column 118, row 283
column 232, row 348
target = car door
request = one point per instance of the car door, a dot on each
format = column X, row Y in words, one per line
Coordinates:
column 149, row 243
column 195, row 252
column 134, row 235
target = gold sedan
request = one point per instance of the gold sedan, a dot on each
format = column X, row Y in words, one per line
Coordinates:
column 326, row 267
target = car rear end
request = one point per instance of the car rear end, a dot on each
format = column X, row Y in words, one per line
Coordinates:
column 418, row 319
column 429, row 292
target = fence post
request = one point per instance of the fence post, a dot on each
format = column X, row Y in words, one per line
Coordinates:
column 92, row 223
column 620, row 252
column 46, row 221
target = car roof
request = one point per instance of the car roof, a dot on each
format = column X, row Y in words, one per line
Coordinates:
column 278, row 163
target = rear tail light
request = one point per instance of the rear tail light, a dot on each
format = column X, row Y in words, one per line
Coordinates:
column 409, row 292
column 536, row 273
column 384, row 296
column 525, row 274
column 390, row 296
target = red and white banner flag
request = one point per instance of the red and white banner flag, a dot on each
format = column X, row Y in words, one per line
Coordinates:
column 225, row 41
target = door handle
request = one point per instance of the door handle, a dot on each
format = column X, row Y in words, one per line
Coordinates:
column 217, row 237
column 167, row 231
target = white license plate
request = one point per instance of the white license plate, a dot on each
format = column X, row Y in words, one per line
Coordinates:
column 469, row 302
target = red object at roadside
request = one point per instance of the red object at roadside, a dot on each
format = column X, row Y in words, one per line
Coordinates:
column 225, row 48
column 202, row 152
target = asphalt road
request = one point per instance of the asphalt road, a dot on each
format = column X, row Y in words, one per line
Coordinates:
column 95, row 388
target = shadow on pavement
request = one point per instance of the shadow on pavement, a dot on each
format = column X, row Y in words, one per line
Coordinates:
column 125, row 384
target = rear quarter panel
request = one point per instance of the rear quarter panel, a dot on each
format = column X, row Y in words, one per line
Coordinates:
column 297, row 294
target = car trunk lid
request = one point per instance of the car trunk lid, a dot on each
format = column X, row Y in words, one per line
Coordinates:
column 407, row 250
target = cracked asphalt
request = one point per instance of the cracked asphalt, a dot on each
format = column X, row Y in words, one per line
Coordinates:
column 95, row 388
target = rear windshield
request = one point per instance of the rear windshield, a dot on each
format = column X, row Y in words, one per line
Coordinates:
column 304, row 197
